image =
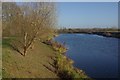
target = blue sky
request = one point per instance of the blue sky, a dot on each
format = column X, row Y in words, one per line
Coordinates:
column 87, row 14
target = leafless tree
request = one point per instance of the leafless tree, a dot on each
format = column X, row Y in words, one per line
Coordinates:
column 29, row 22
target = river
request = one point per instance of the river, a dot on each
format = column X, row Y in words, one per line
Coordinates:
column 96, row 55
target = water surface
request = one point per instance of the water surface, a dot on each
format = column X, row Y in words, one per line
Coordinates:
column 96, row 55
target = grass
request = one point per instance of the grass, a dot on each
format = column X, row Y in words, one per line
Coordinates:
column 0, row 58
column 34, row 65
column 64, row 66
column 43, row 61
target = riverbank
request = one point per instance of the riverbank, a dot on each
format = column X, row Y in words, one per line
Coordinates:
column 42, row 61
column 107, row 34
column 63, row 65
column 102, row 32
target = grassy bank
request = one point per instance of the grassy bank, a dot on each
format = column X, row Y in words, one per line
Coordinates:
column 42, row 61
column 0, row 58
column 36, row 64
column 64, row 66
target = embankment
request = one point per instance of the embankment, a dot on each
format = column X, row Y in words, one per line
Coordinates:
column 63, row 65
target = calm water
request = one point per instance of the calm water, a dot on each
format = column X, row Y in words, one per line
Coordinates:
column 96, row 55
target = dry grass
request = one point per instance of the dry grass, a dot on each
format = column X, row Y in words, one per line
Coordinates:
column 30, row 66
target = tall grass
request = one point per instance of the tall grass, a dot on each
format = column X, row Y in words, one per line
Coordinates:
column 64, row 66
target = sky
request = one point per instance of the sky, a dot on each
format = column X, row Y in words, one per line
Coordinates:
column 87, row 14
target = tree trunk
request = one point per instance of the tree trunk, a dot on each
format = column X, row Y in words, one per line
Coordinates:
column 25, row 44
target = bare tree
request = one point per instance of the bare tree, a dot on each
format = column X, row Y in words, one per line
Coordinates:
column 10, row 12
column 32, row 21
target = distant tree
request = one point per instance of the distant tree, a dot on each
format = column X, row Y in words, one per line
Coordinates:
column 30, row 23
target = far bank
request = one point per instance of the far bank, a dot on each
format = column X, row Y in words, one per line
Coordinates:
column 106, row 32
